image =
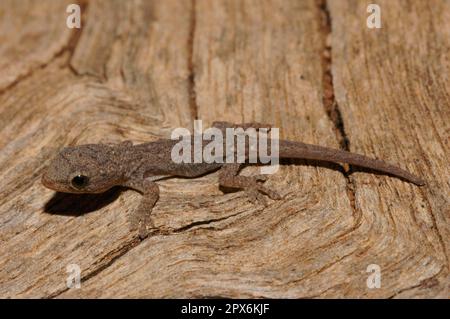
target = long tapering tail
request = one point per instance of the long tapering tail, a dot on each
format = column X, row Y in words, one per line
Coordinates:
column 290, row 149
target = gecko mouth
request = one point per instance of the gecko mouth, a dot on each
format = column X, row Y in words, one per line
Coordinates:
column 48, row 183
column 55, row 186
column 45, row 182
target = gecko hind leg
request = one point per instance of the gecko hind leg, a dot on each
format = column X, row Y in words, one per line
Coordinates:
column 252, row 185
column 141, row 218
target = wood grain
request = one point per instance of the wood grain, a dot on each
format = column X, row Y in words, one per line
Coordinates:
column 25, row 49
column 392, row 89
column 138, row 69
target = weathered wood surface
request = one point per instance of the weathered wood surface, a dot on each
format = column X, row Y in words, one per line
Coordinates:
column 138, row 69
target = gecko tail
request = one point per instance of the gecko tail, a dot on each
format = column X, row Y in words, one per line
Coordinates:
column 289, row 149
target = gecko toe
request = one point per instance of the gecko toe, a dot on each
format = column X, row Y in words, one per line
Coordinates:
column 255, row 196
column 269, row 192
column 260, row 178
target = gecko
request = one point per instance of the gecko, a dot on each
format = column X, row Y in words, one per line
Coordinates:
column 95, row 168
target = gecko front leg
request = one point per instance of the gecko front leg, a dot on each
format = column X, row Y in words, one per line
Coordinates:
column 141, row 217
column 252, row 185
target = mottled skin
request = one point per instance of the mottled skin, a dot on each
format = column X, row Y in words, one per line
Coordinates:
column 95, row 168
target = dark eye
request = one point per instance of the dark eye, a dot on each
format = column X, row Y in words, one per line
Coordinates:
column 80, row 181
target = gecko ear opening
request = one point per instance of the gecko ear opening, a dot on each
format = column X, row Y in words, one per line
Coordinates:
column 79, row 181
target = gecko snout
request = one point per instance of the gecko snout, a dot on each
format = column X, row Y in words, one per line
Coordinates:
column 45, row 181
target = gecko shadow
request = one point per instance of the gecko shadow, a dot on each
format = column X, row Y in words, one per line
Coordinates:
column 79, row 204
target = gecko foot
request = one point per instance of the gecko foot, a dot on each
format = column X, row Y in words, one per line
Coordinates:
column 144, row 229
column 253, row 188
column 141, row 221
column 251, row 185
column 254, row 196
column 256, row 191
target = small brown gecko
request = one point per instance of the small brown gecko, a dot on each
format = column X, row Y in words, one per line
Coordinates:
column 95, row 168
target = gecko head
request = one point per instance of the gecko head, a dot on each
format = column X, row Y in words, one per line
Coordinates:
column 82, row 169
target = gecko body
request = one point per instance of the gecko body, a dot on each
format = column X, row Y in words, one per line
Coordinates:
column 95, row 168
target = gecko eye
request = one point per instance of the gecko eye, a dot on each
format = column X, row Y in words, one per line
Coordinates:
column 80, row 181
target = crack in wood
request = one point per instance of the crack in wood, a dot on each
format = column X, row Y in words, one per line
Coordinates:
column 116, row 254
column 329, row 101
column 423, row 284
column 436, row 227
column 330, row 104
column 191, row 65
column 203, row 222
